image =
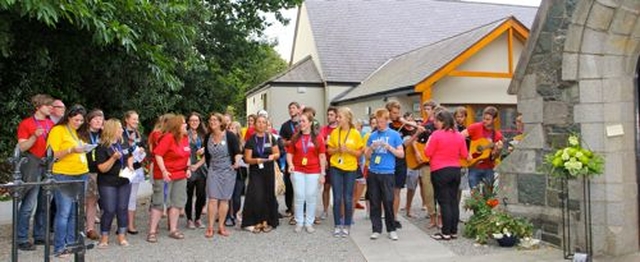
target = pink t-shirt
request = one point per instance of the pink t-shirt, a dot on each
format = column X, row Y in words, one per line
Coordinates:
column 445, row 149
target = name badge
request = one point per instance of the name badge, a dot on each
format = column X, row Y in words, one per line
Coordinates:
column 223, row 142
column 267, row 144
column 260, row 166
column 304, row 161
column 377, row 159
column 186, row 149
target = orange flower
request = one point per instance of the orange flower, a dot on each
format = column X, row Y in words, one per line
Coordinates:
column 492, row 202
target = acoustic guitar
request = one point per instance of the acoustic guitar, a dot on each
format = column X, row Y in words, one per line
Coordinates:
column 412, row 159
column 479, row 149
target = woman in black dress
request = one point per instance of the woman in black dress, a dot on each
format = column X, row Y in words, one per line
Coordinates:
column 260, row 213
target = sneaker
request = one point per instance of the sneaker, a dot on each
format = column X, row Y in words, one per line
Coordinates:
column 393, row 235
column 298, row 229
column 63, row 255
column 199, row 224
column 26, row 246
column 397, row 224
column 374, row 236
column 337, row 232
column 191, row 225
column 324, row 215
column 39, row 242
column 310, row 229
column 345, row 232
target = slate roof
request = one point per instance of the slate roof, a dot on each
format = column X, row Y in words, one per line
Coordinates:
column 355, row 37
column 302, row 72
column 411, row 68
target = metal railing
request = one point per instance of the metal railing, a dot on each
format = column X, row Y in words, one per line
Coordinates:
column 75, row 188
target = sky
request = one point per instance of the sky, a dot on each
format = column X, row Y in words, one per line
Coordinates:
column 284, row 34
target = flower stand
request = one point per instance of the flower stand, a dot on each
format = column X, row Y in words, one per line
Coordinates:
column 568, row 223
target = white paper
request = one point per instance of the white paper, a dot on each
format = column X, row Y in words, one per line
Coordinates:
column 88, row 147
column 139, row 154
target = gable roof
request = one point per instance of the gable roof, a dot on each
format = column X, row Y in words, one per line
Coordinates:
column 354, row 37
column 407, row 70
column 303, row 72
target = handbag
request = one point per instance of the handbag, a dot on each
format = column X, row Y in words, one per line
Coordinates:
column 279, row 180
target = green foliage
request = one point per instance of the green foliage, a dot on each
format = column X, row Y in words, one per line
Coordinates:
column 150, row 56
column 574, row 161
column 488, row 222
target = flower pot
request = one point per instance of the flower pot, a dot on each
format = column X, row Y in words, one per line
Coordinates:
column 507, row 241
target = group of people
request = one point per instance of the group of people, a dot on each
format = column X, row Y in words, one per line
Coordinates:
column 197, row 168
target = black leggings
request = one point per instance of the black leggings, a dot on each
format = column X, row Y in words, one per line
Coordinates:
column 445, row 186
column 198, row 186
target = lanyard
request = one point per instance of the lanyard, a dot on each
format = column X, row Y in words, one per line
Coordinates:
column 293, row 129
column 345, row 137
column 116, row 147
column 132, row 140
column 197, row 141
column 260, row 147
column 305, row 144
column 46, row 127
column 94, row 139
column 73, row 135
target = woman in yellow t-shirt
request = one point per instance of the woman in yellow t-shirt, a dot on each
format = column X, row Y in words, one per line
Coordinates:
column 345, row 147
column 71, row 164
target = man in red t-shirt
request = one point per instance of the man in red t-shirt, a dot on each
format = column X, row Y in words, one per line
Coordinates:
column 482, row 170
column 32, row 138
column 332, row 123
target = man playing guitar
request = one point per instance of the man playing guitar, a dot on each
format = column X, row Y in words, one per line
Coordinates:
column 482, row 170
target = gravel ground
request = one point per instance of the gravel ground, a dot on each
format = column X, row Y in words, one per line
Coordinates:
column 281, row 244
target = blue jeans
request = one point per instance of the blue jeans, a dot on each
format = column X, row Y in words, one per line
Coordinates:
column 342, row 183
column 28, row 203
column 65, row 220
column 305, row 188
column 477, row 175
column 114, row 201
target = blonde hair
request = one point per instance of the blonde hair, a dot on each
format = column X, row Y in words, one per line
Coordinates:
column 346, row 113
column 392, row 104
column 382, row 113
column 111, row 132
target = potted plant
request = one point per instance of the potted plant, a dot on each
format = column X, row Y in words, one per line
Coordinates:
column 507, row 230
column 487, row 222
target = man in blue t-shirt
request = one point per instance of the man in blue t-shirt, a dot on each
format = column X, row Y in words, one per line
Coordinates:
column 383, row 147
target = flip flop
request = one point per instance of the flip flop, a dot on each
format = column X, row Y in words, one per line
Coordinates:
column 209, row 233
column 440, row 237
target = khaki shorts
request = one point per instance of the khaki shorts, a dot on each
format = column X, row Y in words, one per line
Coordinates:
column 174, row 194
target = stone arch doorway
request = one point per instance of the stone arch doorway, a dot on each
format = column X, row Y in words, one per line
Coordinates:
column 579, row 73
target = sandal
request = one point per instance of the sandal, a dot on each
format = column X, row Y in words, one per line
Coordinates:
column 209, row 233
column 267, row 228
column 223, row 232
column 103, row 245
column 176, row 235
column 152, row 238
column 440, row 237
column 124, row 243
column 292, row 221
column 454, row 236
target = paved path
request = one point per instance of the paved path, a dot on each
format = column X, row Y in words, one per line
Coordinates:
column 284, row 245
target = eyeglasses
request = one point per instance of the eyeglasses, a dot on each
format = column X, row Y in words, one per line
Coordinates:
column 58, row 106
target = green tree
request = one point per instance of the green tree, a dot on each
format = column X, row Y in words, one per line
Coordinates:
column 151, row 56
